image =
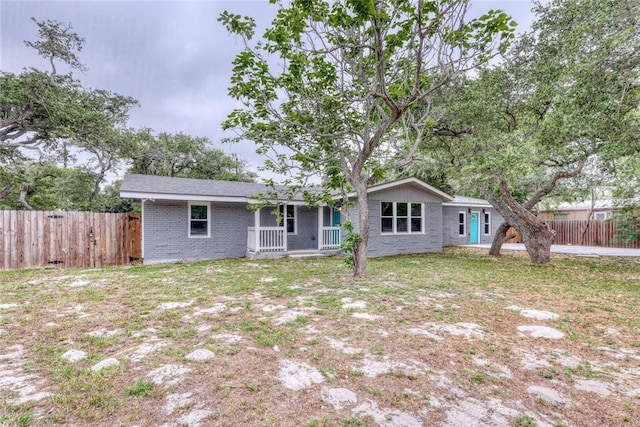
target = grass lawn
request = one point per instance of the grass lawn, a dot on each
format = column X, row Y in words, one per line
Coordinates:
column 452, row 339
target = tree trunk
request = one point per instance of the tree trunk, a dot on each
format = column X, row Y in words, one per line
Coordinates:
column 536, row 236
column 538, row 241
column 23, row 196
column 360, row 248
column 7, row 190
column 499, row 238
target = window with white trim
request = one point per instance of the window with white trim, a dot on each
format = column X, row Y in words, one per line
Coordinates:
column 288, row 215
column 462, row 223
column 401, row 217
column 199, row 219
column 487, row 223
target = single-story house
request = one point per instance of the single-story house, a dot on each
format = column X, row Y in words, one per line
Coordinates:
column 601, row 210
column 191, row 219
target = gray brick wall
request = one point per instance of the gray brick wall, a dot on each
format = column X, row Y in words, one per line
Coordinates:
column 450, row 231
column 166, row 236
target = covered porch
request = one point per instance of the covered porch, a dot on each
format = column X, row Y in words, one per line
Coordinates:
column 294, row 229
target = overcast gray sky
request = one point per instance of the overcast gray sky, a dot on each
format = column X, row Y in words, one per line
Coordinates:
column 172, row 56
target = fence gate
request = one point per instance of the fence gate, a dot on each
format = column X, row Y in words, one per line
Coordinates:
column 68, row 239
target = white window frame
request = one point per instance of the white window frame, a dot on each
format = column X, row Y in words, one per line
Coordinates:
column 199, row 236
column 409, row 218
column 284, row 219
column 486, row 220
column 463, row 223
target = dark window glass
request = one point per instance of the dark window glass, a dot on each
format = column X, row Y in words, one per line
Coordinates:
column 387, row 225
column 401, row 209
column 416, row 225
column 198, row 212
column 401, row 225
column 198, row 228
column 387, row 209
column 416, row 210
column 461, row 224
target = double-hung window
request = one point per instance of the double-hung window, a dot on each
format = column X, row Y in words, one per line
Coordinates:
column 487, row 223
column 462, row 223
column 288, row 215
column 199, row 219
column 401, row 217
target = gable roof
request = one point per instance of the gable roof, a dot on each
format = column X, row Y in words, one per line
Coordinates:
column 468, row 201
column 170, row 188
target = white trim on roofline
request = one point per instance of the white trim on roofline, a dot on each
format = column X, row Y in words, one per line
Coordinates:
column 200, row 198
column 468, row 205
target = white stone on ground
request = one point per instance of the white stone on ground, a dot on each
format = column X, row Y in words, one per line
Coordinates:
column 366, row 316
column 298, row 375
column 593, row 387
column 103, row 332
column 24, row 387
column 547, row 394
column 215, row 309
column 7, row 306
column 168, row 374
column 270, row 307
column 173, row 305
column 78, row 283
column 541, row 332
column 386, row 417
column 348, row 303
column 268, row 279
column 176, row 401
column 144, row 349
column 106, row 363
column 338, row 397
column 288, row 317
column 194, row 418
column 534, row 314
column 73, row 356
column 473, row 412
column 201, row 355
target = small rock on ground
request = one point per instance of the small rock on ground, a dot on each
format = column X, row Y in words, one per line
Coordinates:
column 593, row 386
column 542, row 332
column 106, row 363
column 201, row 355
column 73, row 356
column 338, row 397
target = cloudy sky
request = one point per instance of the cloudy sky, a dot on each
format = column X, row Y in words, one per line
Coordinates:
column 172, row 56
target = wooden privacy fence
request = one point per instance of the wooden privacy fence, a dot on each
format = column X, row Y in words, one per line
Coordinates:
column 585, row 233
column 68, row 239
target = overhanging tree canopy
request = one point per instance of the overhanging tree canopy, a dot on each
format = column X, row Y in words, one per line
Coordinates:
column 330, row 88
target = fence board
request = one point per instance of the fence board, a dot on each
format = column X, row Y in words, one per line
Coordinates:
column 585, row 233
column 68, row 239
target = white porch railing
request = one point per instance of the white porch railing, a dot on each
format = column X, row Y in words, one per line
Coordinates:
column 330, row 238
column 266, row 239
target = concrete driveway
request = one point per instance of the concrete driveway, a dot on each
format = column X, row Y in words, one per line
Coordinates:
column 575, row 250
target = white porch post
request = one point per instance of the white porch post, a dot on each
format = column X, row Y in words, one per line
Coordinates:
column 320, row 230
column 258, row 233
column 285, row 234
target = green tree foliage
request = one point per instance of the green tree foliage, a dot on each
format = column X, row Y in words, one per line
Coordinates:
column 182, row 156
column 566, row 94
column 46, row 117
column 331, row 87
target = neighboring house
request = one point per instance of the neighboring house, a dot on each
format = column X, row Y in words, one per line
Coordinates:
column 599, row 211
column 190, row 219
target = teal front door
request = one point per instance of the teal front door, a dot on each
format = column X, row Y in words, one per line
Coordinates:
column 475, row 227
column 335, row 219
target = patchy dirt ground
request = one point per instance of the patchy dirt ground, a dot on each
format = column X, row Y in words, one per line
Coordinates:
column 450, row 340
